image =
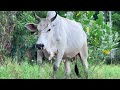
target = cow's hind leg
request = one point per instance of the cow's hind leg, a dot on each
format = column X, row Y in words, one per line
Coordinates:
column 83, row 57
column 67, row 69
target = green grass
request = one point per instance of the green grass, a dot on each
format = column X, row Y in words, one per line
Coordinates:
column 12, row 70
column 106, row 72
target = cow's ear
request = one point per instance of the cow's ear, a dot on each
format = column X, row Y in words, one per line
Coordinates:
column 31, row 26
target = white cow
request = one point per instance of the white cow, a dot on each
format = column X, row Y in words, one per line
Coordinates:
column 61, row 36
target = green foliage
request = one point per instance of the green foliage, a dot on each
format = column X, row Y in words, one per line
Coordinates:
column 116, row 19
column 20, row 34
column 116, row 22
column 7, row 26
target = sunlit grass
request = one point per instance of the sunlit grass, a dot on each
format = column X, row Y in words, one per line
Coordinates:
column 13, row 70
column 106, row 72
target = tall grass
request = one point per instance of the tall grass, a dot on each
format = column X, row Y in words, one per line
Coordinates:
column 13, row 70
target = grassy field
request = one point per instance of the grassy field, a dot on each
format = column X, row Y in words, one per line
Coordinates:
column 12, row 70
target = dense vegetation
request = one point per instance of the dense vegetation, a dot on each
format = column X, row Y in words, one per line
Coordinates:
column 15, row 38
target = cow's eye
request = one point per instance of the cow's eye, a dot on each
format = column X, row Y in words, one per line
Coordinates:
column 49, row 30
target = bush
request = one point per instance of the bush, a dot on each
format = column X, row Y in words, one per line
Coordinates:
column 7, row 26
column 116, row 22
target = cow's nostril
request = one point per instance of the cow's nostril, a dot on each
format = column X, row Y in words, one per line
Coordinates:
column 42, row 45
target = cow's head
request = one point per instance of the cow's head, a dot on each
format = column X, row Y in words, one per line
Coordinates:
column 45, row 30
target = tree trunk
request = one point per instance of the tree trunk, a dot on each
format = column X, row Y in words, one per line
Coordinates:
column 110, row 19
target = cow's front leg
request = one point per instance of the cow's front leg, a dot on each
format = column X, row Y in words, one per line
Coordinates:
column 39, row 56
column 57, row 63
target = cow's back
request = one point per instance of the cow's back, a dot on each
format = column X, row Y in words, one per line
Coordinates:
column 75, row 36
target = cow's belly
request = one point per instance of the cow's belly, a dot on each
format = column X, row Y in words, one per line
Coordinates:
column 71, row 53
column 73, row 48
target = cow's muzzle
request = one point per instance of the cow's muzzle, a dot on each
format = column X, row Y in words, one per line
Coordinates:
column 40, row 46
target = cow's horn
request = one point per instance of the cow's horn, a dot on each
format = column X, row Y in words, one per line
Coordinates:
column 52, row 19
column 37, row 17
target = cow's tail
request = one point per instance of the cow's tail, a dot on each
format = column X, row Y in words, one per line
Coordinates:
column 76, row 69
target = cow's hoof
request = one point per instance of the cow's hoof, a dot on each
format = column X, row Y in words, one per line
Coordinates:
column 39, row 62
column 50, row 61
column 53, row 77
column 67, row 77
